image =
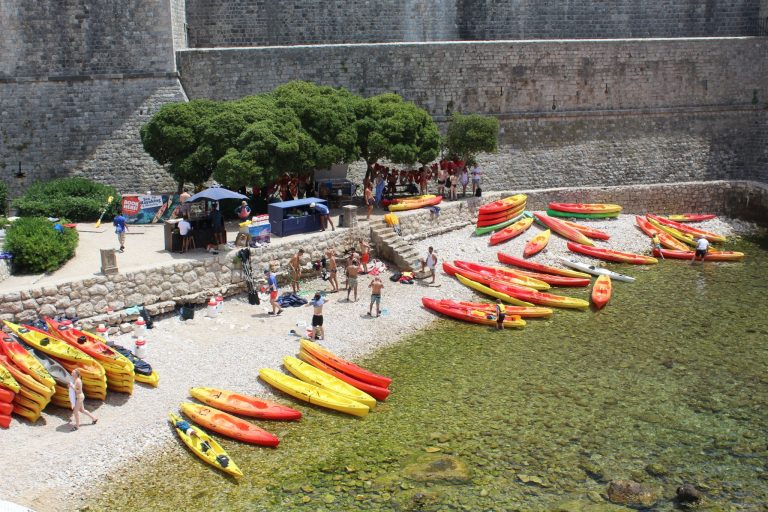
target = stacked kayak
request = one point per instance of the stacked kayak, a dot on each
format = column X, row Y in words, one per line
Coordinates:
column 470, row 314
column 311, row 375
column 7, row 394
column 377, row 392
column 601, row 291
column 228, row 425
column 584, row 210
column 675, row 233
column 204, row 446
column 489, row 307
column 483, row 279
column 143, row 371
column 685, row 228
column 60, row 374
column 118, row 369
column 665, row 239
column 501, row 211
column 562, row 229
column 412, row 204
column 32, row 395
column 511, row 231
column 244, row 405
column 710, row 256
column 588, row 231
column 612, row 255
column 343, row 365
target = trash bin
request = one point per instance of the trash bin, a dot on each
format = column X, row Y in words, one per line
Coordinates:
column 108, row 261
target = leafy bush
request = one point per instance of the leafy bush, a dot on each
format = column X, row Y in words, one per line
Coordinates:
column 37, row 247
column 3, row 196
column 77, row 199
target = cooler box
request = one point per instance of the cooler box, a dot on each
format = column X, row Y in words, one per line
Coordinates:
column 259, row 230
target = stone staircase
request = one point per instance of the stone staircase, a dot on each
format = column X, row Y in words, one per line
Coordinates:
column 392, row 247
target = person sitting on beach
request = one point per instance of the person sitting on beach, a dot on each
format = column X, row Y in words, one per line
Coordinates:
column 295, row 264
column 330, row 257
column 702, row 246
column 318, row 333
column 430, row 261
column 352, row 270
column 376, row 286
column 273, row 292
column 501, row 313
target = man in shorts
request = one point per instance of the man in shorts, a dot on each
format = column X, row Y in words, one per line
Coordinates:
column 317, row 316
column 365, row 255
column 430, row 261
column 702, row 246
column 330, row 257
column 376, row 286
column 325, row 215
column 295, row 264
column 273, row 292
column 352, row 270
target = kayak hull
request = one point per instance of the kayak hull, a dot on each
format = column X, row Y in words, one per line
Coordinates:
column 536, row 244
column 484, row 279
column 563, row 230
column 595, row 271
column 312, row 394
column 490, row 220
column 413, row 205
column 508, row 203
column 612, row 255
column 665, row 239
column 228, row 425
column 585, row 207
column 308, row 373
column 377, row 392
column 510, row 232
column 343, row 365
column 539, row 267
column 206, row 448
column 244, row 405
column 503, row 273
column 601, row 291
column 470, row 315
column 710, row 256
column 487, row 229
column 691, row 217
column 684, row 228
column 521, row 311
column 570, row 215
column 540, row 298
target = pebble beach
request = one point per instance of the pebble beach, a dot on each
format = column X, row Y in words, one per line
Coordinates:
column 53, row 465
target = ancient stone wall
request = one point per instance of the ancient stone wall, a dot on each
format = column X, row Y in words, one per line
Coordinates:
column 222, row 23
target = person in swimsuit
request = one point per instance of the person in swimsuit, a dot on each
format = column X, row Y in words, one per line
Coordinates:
column 330, row 257
column 475, row 177
column 273, row 292
column 430, row 262
column 352, row 270
column 464, row 180
column 452, row 181
column 317, row 302
column 295, row 264
column 376, row 286
column 369, row 200
column 365, row 255
column 77, row 385
column 442, row 177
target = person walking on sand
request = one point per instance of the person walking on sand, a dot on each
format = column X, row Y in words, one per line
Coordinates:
column 365, row 255
column 430, row 261
column 120, row 230
column 501, row 314
column 273, row 291
column 79, row 406
column 369, row 201
column 295, row 264
column 352, row 270
column 318, row 333
column 702, row 246
column 330, row 257
column 376, row 286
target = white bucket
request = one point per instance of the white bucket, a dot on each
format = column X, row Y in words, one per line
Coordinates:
column 219, row 303
column 141, row 348
column 103, row 332
column 140, row 328
column 212, row 308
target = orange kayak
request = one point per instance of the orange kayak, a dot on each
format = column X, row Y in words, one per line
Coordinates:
column 414, row 204
column 588, row 231
column 244, row 405
column 508, row 203
column 498, row 218
column 521, row 311
column 500, row 273
column 536, row 244
column 601, row 291
column 711, row 255
column 585, row 207
column 228, row 425
column 26, row 361
column 540, row 267
column 88, row 344
column 562, row 229
column 712, row 237
column 665, row 238
column 377, row 392
column 512, row 231
column 343, row 365
column 540, row 298
column 612, row 255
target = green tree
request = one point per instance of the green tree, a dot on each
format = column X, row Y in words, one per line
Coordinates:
column 327, row 115
column 471, row 134
column 174, row 138
column 390, row 127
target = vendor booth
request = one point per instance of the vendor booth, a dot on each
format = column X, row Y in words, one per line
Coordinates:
column 292, row 217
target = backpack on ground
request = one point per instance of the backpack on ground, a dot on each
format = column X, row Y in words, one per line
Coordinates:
column 478, row 192
column 395, row 277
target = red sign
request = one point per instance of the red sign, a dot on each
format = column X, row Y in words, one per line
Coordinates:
column 131, row 205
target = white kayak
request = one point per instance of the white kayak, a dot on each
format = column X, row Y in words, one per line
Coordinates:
column 595, row 271
column 7, row 506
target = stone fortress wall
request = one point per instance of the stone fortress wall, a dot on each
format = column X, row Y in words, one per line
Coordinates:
column 78, row 80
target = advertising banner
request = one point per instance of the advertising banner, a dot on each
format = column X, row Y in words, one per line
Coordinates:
column 146, row 209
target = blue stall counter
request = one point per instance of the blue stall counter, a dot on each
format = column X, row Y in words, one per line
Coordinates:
column 293, row 217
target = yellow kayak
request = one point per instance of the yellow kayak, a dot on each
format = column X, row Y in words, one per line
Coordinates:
column 26, row 361
column 7, row 381
column 44, row 342
column 313, row 394
column 205, row 447
column 152, row 379
column 312, row 375
column 683, row 237
column 488, row 291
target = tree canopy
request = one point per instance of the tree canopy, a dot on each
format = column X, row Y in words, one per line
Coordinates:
column 471, row 134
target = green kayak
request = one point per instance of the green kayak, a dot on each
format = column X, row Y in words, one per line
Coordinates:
column 487, row 229
column 555, row 213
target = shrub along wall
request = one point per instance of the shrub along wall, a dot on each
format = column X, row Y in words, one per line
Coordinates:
column 77, row 199
column 38, row 247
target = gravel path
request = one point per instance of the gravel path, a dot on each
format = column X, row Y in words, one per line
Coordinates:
column 48, row 460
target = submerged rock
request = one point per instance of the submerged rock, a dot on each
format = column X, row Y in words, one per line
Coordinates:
column 628, row 492
column 443, row 468
column 688, row 494
column 656, row 470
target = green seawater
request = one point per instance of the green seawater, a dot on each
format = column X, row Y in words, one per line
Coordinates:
column 666, row 385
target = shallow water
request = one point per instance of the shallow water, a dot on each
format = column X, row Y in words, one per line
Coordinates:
column 666, row 385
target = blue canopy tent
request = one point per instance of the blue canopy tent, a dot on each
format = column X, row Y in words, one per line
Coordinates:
column 215, row 194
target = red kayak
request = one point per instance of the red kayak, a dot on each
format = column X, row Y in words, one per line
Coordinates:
column 489, row 307
column 512, row 231
column 711, row 255
column 665, row 238
column 585, row 207
column 343, row 365
column 484, row 276
column 499, row 273
column 490, row 220
column 508, row 203
column 601, row 291
column 228, row 425
column 468, row 314
column 540, row 267
column 536, row 244
column 87, row 343
column 540, row 298
column 562, row 229
column 611, row 255
column 377, row 392
column 691, row 217
column 712, row 237
column 551, row 279
column 588, row 231
column 244, row 405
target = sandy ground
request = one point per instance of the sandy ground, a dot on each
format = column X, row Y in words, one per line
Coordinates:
column 48, row 460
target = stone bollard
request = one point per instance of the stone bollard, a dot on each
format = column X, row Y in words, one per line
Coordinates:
column 350, row 215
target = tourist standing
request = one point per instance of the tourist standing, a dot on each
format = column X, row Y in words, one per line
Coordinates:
column 330, row 257
column 376, row 286
column 369, row 201
column 295, row 264
column 464, row 180
column 430, row 262
column 185, row 230
column 273, row 292
column 120, row 229
column 79, row 406
column 702, row 246
column 423, row 180
column 501, row 314
column 453, row 180
column 325, row 215
column 365, row 255
column 317, row 302
column 352, row 271
column 217, row 224
column 475, row 178
column 442, row 177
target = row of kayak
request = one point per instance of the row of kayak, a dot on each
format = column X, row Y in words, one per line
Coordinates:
column 318, row 377
column 35, row 365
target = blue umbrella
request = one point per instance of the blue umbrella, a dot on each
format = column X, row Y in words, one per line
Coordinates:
column 215, row 194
